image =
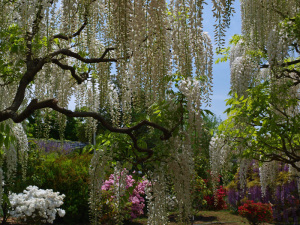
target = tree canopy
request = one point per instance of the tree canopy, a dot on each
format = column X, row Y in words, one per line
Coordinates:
column 121, row 56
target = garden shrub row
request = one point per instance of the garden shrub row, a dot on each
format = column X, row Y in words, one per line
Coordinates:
column 67, row 174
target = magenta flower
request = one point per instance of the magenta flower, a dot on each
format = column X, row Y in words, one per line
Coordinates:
column 136, row 198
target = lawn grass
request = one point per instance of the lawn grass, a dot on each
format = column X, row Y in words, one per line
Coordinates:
column 207, row 217
column 203, row 217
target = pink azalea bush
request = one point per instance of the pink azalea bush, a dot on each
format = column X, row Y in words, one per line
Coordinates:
column 136, row 199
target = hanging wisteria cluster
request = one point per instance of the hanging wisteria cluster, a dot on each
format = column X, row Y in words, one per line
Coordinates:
column 14, row 153
column 99, row 165
column 264, row 30
column 157, row 196
column 142, row 42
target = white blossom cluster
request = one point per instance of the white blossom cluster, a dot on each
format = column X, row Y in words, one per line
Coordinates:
column 243, row 69
column 97, row 176
column 14, row 154
column 192, row 89
column 119, row 190
column 244, row 165
column 263, row 31
column 219, row 151
column 156, row 194
column 278, row 46
column 22, row 144
column 113, row 100
column 178, row 170
column 11, row 158
column 261, row 17
column 181, row 171
column 267, row 174
column 36, row 204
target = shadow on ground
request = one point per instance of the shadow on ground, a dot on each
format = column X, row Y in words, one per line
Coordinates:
column 205, row 218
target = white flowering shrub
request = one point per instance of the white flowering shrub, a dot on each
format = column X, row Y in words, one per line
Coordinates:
column 36, row 205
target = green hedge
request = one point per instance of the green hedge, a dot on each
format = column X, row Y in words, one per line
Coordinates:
column 67, row 174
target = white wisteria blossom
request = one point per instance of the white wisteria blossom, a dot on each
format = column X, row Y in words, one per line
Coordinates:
column 156, row 194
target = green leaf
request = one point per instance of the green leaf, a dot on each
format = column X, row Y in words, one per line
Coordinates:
column 7, row 129
column 1, row 140
column 7, row 142
column 139, row 167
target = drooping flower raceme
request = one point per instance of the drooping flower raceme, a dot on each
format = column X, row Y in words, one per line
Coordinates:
column 36, row 205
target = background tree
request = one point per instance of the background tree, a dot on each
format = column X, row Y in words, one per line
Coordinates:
column 263, row 114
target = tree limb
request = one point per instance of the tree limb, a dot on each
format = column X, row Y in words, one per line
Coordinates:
column 282, row 65
column 75, row 55
column 65, row 37
column 78, row 78
column 53, row 104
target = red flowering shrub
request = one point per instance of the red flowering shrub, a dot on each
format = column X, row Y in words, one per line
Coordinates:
column 256, row 213
column 199, row 191
column 220, row 203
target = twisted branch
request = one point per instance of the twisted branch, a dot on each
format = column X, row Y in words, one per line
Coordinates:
column 53, row 104
column 79, row 78
column 75, row 55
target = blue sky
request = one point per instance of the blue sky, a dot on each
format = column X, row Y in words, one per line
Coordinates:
column 221, row 71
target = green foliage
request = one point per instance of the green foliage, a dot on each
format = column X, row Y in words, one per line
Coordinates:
column 68, row 175
column 293, row 26
column 225, row 52
column 264, row 122
column 6, row 138
column 74, row 130
column 200, row 190
column 11, row 40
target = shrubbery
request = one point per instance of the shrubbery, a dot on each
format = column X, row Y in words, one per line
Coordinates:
column 131, row 203
column 256, row 213
column 67, row 174
column 283, row 194
column 217, row 201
